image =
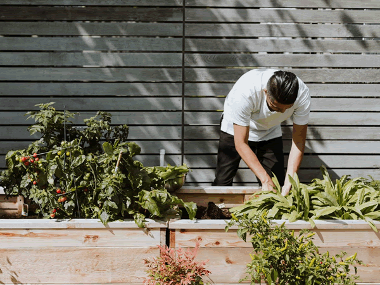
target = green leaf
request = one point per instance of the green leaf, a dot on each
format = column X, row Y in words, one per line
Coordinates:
column 325, row 211
column 108, row 149
column 139, row 220
column 191, row 209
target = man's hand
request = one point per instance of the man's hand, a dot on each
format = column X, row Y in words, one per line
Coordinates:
column 268, row 186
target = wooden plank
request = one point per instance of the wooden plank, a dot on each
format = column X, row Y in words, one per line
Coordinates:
column 135, row 133
column 305, row 175
column 317, row 104
column 74, row 238
column 279, row 45
column 96, row 2
column 118, row 118
column 271, row 60
column 90, row 59
column 312, row 146
column 322, row 30
column 285, row 3
column 75, row 265
column 147, row 147
column 87, row 29
column 220, row 190
column 225, row 201
column 307, row 75
column 316, row 118
column 281, row 15
column 308, row 161
column 90, row 13
column 89, row 43
column 104, row 104
column 89, row 74
column 89, row 89
column 325, row 90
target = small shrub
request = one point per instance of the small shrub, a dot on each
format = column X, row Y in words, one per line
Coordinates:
column 176, row 267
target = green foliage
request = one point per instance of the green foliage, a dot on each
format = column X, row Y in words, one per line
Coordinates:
column 346, row 199
column 176, row 267
column 280, row 257
column 77, row 178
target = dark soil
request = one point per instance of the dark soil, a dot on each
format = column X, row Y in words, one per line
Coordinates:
column 212, row 211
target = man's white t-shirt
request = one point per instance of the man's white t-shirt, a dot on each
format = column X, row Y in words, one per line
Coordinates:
column 246, row 105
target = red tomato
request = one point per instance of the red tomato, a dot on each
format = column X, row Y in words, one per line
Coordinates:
column 34, row 182
column 54, row 210
column 52, row 215
column 59, row 191
column 35, row 155
column 26, row 163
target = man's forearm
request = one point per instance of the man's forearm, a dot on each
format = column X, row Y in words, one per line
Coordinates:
column 252, row 162
column 295, row 159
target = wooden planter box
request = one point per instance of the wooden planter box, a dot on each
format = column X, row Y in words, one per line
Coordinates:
column 10, row 207
column 228, row 254
column 76, row 251
column 224, row 196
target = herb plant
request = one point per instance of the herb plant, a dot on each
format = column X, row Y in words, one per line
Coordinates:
column 281, row 257
column 79, row 177
column 357, row 198
column 176, row 267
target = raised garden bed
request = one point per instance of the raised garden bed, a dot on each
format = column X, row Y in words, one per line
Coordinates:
column 76, row 251
column 228, row 254
column 10, row 207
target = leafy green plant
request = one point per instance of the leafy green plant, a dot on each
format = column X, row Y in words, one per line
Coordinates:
column 176, row 267
column 322, row 199
column 79, row 178
column 281, row 257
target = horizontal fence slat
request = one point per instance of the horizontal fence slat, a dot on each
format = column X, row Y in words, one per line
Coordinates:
column 200, row 147
column 89, row 44
column 322, row 30
column 74, row 13
column 87, row 29
column 305, row 175
column 270, row 60
column 96, row 2
column 135, row 133
column 308, row 161
column 316, row 118
column 307, row 75
column 86, row 44
column 312, row 146
column 281, row 45
column 286, row 3
column 89, row 74
column 281, row 15
column 147, row 147
column 325, row 90
column 89, row 59
column 129, row 118
column 96, row 104
column 317, row 104
column 89, row 89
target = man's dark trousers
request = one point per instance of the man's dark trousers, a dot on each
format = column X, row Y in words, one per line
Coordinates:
column 269, row 153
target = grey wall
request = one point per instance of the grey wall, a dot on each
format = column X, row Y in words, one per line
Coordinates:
column 164, row 68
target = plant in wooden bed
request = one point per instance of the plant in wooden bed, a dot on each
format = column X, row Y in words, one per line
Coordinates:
column 78, row 177
column 176, row 266
column 280, row 257
column 346, row 199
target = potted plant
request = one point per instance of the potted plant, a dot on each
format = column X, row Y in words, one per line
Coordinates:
column 174, row 176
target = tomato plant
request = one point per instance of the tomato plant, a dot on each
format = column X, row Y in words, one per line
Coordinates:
column 78, row 176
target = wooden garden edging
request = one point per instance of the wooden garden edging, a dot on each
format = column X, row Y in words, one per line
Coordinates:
column 228, row 254
column 76, row 251
column 224, row 196
column 10, row 207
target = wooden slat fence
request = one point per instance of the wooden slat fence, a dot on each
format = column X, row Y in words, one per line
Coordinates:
column 165, row 67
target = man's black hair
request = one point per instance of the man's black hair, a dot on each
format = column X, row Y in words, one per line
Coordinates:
column 283, row 87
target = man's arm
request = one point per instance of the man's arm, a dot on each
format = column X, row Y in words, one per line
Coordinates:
column 241, row 144
column 296, row 154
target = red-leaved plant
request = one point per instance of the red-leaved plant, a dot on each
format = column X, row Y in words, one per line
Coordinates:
column 176, row 267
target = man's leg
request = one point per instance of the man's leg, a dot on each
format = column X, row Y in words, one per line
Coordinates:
column 271, row 156
column 228, row 161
